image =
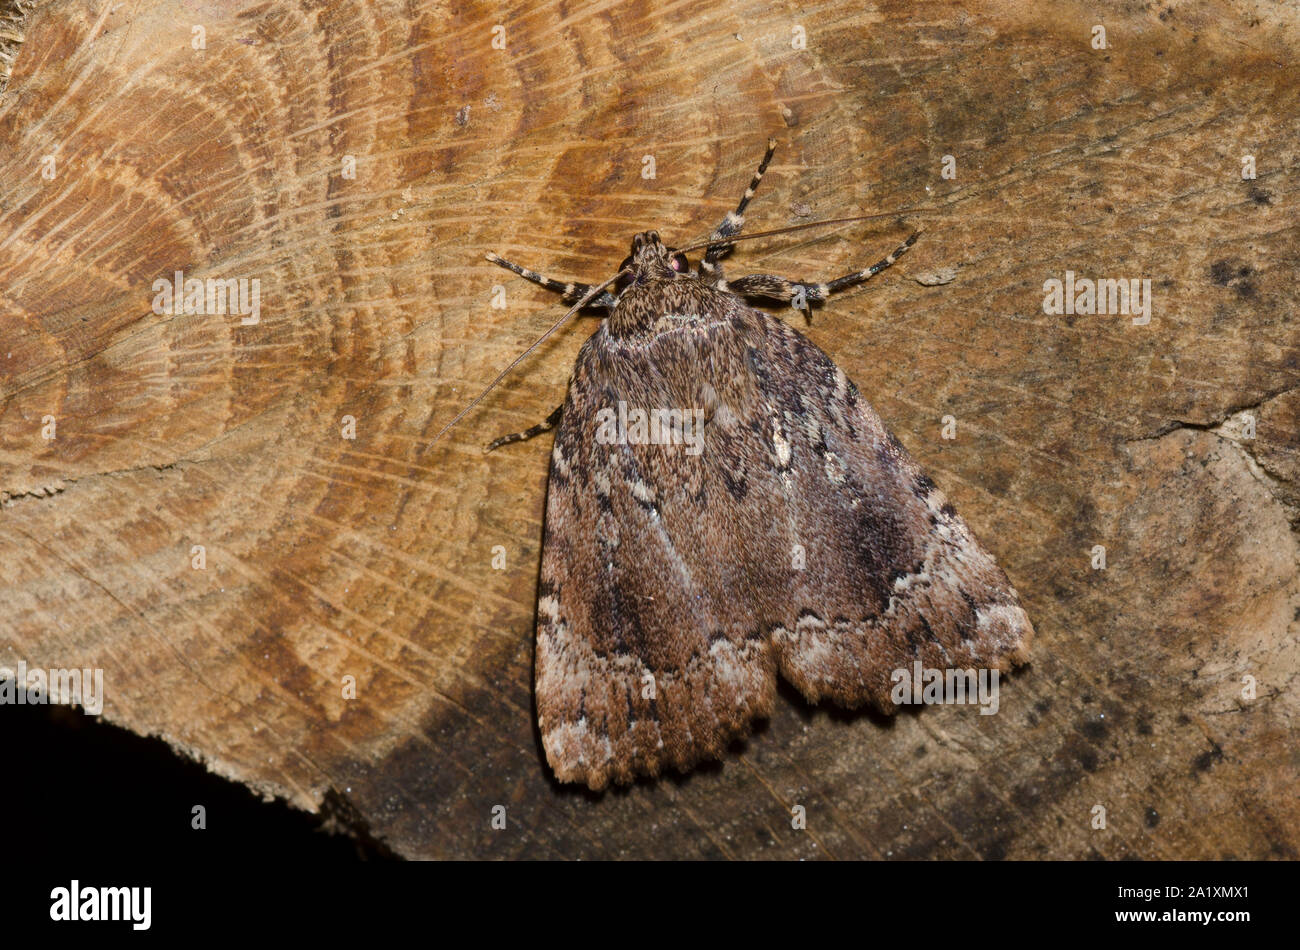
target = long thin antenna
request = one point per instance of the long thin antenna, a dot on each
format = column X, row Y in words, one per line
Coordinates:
column 587, row 298
column 801, row 227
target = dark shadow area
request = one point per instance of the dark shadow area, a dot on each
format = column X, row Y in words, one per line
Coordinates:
column 95, row 789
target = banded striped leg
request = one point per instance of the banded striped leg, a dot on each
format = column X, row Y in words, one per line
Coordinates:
column 734, row 221
column 778, row 288
column 550, row 423
column 570, row 292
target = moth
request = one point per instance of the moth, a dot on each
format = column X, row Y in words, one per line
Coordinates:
column 800, row 540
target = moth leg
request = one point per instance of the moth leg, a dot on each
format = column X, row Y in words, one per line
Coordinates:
column 734, row 221
column 572, row 292
column 548, row 424
column 779, row 288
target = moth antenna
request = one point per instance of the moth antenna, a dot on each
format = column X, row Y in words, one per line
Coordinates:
column 587, row 298
column 802, row 227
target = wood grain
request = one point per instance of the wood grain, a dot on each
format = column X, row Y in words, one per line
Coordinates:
column 372, row 557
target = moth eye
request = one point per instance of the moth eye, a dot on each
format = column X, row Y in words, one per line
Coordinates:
column 626, row 278
column 680, row 263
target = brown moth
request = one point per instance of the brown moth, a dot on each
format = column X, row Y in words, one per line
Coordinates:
column 774, row 527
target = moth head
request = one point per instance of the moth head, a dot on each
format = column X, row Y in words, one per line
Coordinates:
column 652, row 260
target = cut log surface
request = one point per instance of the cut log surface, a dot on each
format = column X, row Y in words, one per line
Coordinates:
column 359, row 158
